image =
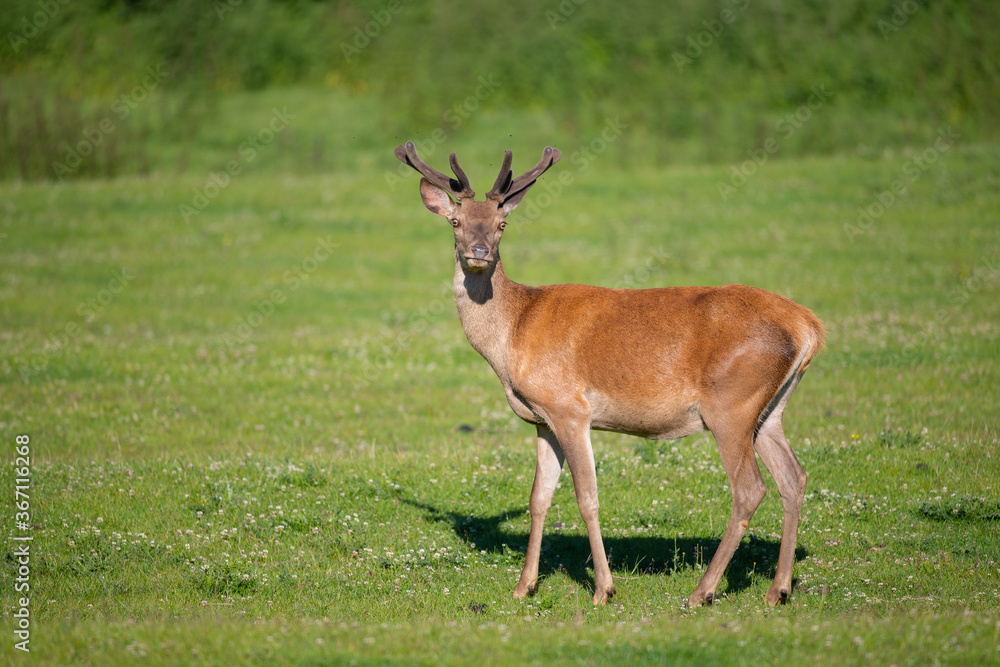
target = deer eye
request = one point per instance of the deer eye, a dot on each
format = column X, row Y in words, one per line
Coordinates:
column 503, row 223
column 453, row 221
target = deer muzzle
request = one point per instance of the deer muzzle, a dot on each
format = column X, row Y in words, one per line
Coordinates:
column 476, row 257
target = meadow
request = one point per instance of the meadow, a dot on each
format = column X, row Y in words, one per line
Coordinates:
column 257, row 434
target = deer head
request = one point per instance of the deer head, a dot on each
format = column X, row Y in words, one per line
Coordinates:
column 478, row 225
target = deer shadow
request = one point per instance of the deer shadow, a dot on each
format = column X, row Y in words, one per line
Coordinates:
column 631, row 556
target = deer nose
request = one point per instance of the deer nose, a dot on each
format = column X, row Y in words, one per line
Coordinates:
column 480, row 251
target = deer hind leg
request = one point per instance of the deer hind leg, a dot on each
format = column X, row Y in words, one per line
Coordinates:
column 747, row 485
column 777, row 455
column 547, row 468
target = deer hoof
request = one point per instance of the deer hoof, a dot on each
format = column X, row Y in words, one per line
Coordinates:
column 775, row 597
column 698, row 599
column 604, row 596
column 526, row 592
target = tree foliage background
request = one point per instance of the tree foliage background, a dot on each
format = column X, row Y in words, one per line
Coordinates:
column 694, row 80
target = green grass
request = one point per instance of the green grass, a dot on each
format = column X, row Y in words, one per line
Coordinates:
column 255, row 450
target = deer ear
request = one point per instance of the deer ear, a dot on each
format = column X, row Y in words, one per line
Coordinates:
column 436, row 199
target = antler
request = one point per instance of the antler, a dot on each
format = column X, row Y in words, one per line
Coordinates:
column 460, row 188
column 506, row 186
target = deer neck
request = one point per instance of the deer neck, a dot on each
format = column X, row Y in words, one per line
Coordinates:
column 488, row 305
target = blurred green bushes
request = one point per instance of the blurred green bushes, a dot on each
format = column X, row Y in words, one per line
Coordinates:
column 693, row 80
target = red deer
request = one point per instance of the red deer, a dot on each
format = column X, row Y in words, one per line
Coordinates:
column 657, row 363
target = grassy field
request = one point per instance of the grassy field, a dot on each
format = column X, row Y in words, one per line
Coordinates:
column 258, row 435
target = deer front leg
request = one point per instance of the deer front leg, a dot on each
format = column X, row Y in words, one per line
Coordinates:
column 580, row 456
column 547, row 468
